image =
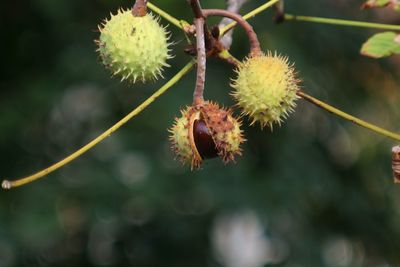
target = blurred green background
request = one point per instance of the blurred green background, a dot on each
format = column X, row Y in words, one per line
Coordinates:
column 316, row 192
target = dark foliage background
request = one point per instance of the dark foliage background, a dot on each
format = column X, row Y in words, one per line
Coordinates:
column 316, row 192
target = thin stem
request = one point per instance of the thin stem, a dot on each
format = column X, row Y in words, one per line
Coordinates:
column 140, row 8
column 348, row 117
column 343, row 22
column 337, row 112
column 226, row 56
column 254, row 43
column 342, row 114
column 10, row 184
column 196, row 8
column 201, row 62
column 333, row 110
column 250, row 15
column 178, row 23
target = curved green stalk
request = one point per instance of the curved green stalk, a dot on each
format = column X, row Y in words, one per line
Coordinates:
column 330, row 108
column 249, row 15
column 166, row 16
column 343, row 22
column 227, row 56
column 10, row 184
column 348, row 117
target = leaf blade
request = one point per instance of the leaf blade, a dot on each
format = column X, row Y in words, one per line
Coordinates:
column 381, row 45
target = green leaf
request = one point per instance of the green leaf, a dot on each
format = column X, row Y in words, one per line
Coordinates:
column 382, row 45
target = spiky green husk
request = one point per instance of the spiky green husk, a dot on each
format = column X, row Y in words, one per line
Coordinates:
column 134, row 48
column 265, row 88
column 180, row 137
column 223, row 128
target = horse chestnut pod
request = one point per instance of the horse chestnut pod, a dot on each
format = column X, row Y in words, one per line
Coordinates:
column 206, row 131
column 134, row 47
column 265, row 88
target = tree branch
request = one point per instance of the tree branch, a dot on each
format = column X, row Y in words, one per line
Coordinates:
column 201, row 62
column 197, row 11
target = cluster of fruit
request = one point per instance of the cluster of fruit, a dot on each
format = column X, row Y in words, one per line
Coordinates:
column 136, row 48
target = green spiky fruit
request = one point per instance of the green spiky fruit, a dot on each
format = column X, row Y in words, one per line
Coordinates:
column 265, row 88
column 206, row 131
column 180, row 137
column 134, row 48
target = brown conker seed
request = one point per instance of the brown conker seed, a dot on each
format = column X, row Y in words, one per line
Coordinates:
column 206, row 131
column 203, row 140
